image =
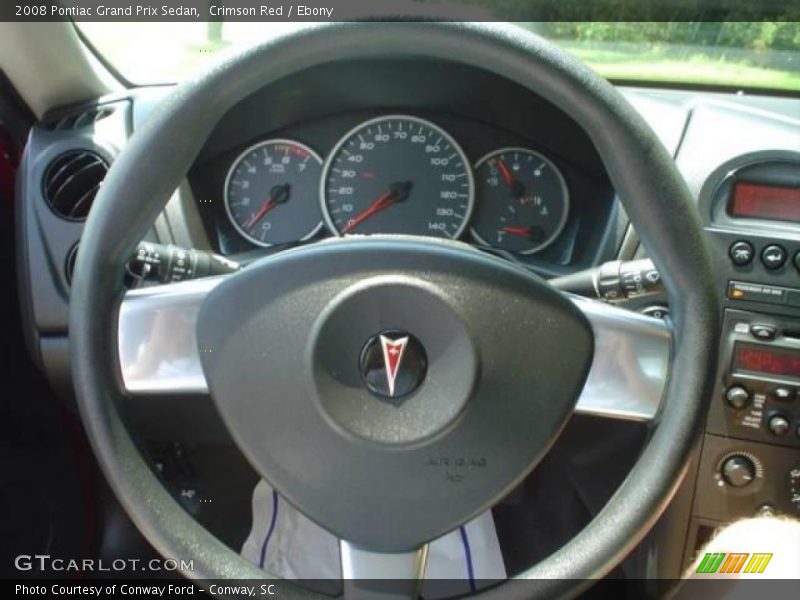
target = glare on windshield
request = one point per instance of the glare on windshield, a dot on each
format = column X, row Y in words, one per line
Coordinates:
column 732, row 54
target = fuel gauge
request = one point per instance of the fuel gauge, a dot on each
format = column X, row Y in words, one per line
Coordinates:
column 522, row 201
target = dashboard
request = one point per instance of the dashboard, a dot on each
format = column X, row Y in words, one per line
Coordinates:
column 438, row 149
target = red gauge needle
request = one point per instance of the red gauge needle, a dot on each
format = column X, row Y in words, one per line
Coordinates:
column 508, row 177
column 528, row 232
column 516, row 187
column 397, row 193
column 278, row 195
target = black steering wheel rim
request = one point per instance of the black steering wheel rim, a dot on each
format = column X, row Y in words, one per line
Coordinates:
column 644, row 175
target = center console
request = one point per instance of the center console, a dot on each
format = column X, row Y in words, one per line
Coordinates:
column 750, row 458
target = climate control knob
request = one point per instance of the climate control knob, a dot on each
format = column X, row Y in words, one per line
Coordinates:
column 778, row 425
column 737, row 397
column 738, row 471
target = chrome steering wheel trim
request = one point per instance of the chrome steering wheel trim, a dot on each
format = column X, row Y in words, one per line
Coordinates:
column 159, row 354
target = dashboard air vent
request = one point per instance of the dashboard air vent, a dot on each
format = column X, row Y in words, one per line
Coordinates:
column 72, row 181
column 78, row 120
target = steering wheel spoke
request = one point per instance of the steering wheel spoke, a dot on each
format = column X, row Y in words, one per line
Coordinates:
column 157, row 341
column 381, row 575
column 630, row 365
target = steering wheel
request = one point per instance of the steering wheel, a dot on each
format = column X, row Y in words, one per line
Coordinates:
column 499, row 358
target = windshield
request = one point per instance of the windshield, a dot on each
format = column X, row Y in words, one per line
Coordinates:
column 737, row 54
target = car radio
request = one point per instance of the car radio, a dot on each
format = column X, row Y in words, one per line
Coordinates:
column 758, row 390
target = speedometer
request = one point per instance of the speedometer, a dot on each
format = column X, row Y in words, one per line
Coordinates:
column 397, row 174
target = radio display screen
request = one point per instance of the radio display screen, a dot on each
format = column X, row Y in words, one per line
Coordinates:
column 757, row 358
column 757, row 201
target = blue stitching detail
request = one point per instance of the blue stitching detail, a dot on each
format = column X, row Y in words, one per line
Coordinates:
column 468, row 556
column 271, row 528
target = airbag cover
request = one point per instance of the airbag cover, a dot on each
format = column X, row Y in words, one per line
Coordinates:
column 506, row 358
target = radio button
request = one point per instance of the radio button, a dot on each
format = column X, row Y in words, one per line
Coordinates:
column 737, row 397
column 773, row 256
column 782, row 393
column 741, row 253
column 778, row 425
column 763, row 332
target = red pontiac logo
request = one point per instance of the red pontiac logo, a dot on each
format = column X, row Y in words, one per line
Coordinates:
column 393, row 364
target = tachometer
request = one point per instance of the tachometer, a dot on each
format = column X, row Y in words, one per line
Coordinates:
column 522, row 201
column 397, row 174
column 271, row 192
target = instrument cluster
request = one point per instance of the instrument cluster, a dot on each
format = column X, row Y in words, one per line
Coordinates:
column 396, row 174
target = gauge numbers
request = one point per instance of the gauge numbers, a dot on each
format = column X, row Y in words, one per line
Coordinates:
column 271, row 192
column 397, row 175
column 522, row 201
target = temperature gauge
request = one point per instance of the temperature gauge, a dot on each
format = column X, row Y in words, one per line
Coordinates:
column 521, row 201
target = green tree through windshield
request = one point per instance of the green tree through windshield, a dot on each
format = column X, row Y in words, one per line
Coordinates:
column 735, row 54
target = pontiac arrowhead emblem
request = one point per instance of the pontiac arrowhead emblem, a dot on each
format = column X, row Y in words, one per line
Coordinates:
column 393, row 351
column 393, row 364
